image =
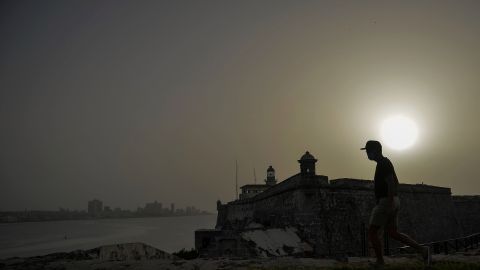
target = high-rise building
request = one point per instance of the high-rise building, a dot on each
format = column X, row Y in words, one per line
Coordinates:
column 154, row 208
column 95, row 208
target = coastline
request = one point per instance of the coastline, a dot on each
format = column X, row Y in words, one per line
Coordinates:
column 102, row 218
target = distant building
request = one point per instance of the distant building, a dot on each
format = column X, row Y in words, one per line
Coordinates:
column 172, row 208
column 154, row 208
column 270, row 181
column 95, row 208
column 251, row 190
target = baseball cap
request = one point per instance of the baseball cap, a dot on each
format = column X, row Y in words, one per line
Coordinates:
column 372, row 145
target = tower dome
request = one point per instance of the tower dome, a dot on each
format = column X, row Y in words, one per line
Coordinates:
column 307, row 156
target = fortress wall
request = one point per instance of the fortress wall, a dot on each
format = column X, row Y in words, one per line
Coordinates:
column 221, row 215
column 467, row 209
column 267, row 210
column 427, row 213
column 276, row 211
column 286, row 206
column 338, row 215
column 237, row 214
column 350, row 211
column 273, row 206
column 351, row 183
column 331, row 216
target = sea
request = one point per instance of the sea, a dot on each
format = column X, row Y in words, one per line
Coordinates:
column 169, row 234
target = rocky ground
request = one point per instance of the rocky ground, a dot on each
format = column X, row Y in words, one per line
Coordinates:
column 141, row 256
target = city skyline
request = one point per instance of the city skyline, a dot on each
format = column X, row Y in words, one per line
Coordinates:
column 171, row 205
column 96, row 209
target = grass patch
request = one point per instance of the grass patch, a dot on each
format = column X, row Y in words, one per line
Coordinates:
column 442, row 265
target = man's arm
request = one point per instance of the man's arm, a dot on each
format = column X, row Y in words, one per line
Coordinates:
column 392, row 187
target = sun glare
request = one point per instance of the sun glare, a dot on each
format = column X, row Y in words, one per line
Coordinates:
column 399, row 132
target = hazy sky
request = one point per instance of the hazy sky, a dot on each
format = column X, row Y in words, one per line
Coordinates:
column 135, row 101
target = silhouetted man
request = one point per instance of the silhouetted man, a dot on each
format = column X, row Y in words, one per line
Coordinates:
column 385, row 213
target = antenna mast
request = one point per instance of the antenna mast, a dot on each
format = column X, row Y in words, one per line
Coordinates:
column 254, row 176
column 236, row 180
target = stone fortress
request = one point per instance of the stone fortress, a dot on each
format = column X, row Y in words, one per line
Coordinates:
column 308, row 214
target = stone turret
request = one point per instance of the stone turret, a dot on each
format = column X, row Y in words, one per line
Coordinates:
column 307, row 165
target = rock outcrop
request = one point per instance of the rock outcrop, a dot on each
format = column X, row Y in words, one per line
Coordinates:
column 126, row 252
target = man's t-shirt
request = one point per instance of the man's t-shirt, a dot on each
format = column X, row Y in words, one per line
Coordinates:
column 383, row 170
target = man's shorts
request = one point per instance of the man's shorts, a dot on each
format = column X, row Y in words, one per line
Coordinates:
column 383, row 215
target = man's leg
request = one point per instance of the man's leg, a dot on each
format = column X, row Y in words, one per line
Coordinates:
column 391, row 228
column 405, row 239
column 376, row 244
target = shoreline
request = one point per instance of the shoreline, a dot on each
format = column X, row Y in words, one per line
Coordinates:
column 103, row 218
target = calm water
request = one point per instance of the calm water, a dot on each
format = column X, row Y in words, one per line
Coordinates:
column 37, row 238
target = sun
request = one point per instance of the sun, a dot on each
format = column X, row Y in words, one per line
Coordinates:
column 399, row 132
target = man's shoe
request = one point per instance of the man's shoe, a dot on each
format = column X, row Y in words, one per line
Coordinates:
column 427, row 256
